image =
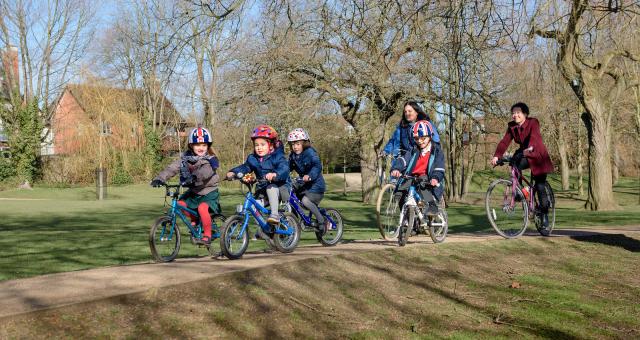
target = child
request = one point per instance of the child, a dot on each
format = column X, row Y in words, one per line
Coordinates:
column 197, row 168
column 267, row 162
column 425, row 159
column 305, row 161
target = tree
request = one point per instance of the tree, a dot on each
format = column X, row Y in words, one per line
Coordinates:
column 591, row 38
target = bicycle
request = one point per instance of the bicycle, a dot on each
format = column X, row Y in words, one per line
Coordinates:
column 412, row 218
column 234, row 239
column 164, row 237
column 387, row 208
column 333, row 227
column 505, row 198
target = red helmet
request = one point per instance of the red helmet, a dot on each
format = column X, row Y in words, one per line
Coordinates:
column 264, row 131
column 423, row 128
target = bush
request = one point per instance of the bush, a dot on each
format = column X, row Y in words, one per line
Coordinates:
column 7, row 169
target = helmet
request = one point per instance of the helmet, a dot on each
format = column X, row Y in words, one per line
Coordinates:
column 297, row 134
column 264, row 131
column 200, row 135
column 423, row 128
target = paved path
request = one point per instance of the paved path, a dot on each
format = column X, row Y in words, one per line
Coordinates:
column 56, row 290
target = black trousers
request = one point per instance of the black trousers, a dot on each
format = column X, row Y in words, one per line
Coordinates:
column 539, row 182
column 426, row 192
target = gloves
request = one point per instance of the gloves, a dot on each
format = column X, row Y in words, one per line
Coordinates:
column 157, row 183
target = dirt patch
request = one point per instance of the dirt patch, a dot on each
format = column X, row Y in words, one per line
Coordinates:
column 449, row 290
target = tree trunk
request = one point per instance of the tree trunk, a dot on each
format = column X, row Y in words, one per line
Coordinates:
column 580, row 162
column 564, row 162
column 368, row 166
column 615, row 165
column 600, row 184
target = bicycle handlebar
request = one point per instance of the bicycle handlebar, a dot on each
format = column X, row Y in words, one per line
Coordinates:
column 424, row 180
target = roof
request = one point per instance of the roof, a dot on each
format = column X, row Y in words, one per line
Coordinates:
column 92, row 99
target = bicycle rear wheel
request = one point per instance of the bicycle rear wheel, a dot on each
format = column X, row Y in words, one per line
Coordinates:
column 287, row 243
column 388, row 212
column 234, row 240
column 164, row 240
column 439, row 224
column 332, row 233
column 509, row 219
column 546, row 231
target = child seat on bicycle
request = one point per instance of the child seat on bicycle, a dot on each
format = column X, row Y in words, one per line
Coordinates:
column 425, row 160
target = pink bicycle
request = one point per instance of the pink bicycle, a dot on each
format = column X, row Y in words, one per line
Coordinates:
column 510, row 206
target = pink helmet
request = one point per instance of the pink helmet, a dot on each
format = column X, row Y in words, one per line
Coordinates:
column 200, row 135
column 264, row 131
column 423, row 128
column 297, row 134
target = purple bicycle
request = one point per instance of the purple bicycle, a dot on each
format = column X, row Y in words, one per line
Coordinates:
column 510, row 206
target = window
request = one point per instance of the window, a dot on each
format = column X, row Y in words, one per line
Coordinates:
column 105, row 129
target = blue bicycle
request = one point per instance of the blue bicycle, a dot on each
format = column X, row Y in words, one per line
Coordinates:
column 234, row 239
column 330, row 233
column 164, row 238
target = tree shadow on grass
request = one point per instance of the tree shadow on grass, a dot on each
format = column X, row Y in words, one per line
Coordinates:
column 615, row 240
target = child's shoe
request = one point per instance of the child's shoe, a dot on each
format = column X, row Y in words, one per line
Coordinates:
column 205, row 240
column 273, row 219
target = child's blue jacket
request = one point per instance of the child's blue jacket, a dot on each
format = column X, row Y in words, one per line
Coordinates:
column 308, row 163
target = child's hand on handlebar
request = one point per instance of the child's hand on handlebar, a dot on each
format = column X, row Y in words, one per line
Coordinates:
column 230, row 175
column 306, row 178
column 270, row 176
column 396, row 173
column 434, row 182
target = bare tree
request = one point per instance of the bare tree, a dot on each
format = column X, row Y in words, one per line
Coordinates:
column 593, row 38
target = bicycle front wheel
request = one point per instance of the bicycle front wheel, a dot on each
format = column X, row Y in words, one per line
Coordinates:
column 287, row 243
column 164, row 240
column 388, row 212
column 333, row 232
column 507, row 214
column 406, row 226
column 234, row 239
column 439, row 224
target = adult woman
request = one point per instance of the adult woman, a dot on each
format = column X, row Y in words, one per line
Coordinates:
column 532, row 152
column 402, row 139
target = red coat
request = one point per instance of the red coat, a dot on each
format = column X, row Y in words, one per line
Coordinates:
column 526, row 135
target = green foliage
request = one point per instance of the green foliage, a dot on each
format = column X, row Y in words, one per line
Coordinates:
column 6, row 168
column 23, row 125
column 119, row 174
column 152, row 148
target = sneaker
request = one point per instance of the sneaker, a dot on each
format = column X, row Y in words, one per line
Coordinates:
column 544, row 219
column 273, row 219
column 205, row 240
column 320, row 229
column 432, row 210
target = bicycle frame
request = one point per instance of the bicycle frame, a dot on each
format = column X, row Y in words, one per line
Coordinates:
column 246, row 212
column 296, row 207
column 516, row 176
column 176, row 210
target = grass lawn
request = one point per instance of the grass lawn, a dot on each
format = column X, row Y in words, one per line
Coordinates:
column 562, row 288
column 49, row 230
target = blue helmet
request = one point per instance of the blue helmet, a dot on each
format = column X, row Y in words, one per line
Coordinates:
column 200, row 135
column 423, row 128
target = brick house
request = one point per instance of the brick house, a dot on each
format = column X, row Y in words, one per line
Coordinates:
column 84, row 112
column 9, row 81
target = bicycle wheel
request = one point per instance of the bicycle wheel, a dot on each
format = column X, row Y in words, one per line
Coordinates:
column 164, row 240
column 509, row 220
column 406, row 226
column 332, row 234
column 388, row 212
column 234, row 240
column 287, row 243
column 551, row 213
column 439, row 224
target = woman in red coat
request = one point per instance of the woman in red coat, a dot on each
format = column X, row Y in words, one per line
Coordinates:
column 532, row 153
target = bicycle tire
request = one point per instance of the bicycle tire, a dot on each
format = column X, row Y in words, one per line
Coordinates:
column 233, row 226
column 512, row 223
column 331, row 236
column 551, row 213
column 406, row 226
column 388, row 212
column 163, row 224
column 438, row 231
column 287, row 243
